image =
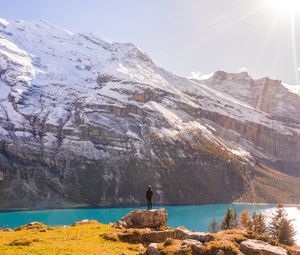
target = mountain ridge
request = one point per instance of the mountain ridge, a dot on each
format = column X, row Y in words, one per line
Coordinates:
column 88, row 122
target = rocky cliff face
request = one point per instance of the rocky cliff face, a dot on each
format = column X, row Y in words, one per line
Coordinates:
column 84, row 122
column 275, row 99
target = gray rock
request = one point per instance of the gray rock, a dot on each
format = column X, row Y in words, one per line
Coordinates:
column 187, row 234
column 154, row 219
column 196, row 246
column 146, row 236
column 257, row 247
column 152, row 249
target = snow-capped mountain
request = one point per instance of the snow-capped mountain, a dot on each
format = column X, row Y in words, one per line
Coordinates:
column 271, row 96
column 87, row 122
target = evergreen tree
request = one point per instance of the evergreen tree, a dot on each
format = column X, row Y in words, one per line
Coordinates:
column 275, row 224
column 214, row 226
column 235, row 220
column 287, row 232
column 228, row 221
column 280, row 228
column 245, row 220
column 259, row 224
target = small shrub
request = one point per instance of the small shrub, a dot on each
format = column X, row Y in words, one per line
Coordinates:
column 20, row 242
column 214, row 247
column 230, row 220
column 245, row 220
column 214, row 226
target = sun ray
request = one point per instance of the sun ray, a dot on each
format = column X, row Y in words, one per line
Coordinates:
column 284, row 8
column 294, row 47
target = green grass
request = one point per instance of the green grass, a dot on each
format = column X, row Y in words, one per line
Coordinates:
column 80, row 239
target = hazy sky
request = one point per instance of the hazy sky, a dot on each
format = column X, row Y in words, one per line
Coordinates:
column 185, row 36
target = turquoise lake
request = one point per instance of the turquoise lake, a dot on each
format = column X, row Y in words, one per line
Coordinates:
column 197, row 217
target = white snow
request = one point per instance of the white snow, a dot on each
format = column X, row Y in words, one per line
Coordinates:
column 3, row 22
column 47, row 72
column 293, row 88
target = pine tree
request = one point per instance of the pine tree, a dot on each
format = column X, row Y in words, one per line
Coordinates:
column 245, row 220
column 235, row 220
column 214, row 226
column 228, row 221
column 280, row 228
column 287, row 233
column 259, row 224
column 277, row 218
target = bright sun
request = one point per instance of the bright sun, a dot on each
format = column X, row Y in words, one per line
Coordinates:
column 285, row 7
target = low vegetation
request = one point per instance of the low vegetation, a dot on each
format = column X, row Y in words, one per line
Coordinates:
column 80, row 239
column 92, row 237
column 280, row 229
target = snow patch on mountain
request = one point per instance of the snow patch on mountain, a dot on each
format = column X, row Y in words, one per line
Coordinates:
column 292, row 88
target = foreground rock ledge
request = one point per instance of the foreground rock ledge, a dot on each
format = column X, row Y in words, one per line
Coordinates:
column 143, row 241
column 154, row 219
column 257, row 247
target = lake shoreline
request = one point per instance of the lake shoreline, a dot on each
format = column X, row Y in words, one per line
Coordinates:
column 141, row 206
column 193, row 217
column 271, row 204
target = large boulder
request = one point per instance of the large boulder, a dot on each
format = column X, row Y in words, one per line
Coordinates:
column 257, row 247
column 154, row 219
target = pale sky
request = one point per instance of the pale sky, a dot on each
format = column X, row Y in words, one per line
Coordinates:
column 184, row 36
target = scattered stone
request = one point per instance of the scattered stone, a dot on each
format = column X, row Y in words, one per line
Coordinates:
column 168, row 242
column 196, row 246
column 110, row 237
column 257, row 247
column 190, row 242
column 199, row 236
column 6, row 229
column 154, row 219
column 153, row 249
column 33, row 226
column 84, row 222
column 220, row 252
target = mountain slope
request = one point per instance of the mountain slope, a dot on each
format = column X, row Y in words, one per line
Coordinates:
column 85, row 122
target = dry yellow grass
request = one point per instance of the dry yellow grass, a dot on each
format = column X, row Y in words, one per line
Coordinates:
column 81, row 239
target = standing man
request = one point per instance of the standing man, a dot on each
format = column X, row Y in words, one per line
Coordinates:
column 149, row 195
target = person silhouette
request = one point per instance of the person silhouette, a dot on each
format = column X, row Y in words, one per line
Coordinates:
column 149, row 195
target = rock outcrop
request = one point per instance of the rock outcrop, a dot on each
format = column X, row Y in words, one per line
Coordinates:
column 193, row 235
column 157, row 236
column 150, row 226
column 147, row 235
column 257, row 247
column 153, row 219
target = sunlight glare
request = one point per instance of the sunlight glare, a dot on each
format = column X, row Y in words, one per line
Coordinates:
column 284, row 7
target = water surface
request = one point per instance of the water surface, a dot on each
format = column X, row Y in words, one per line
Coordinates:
column 196, row 217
